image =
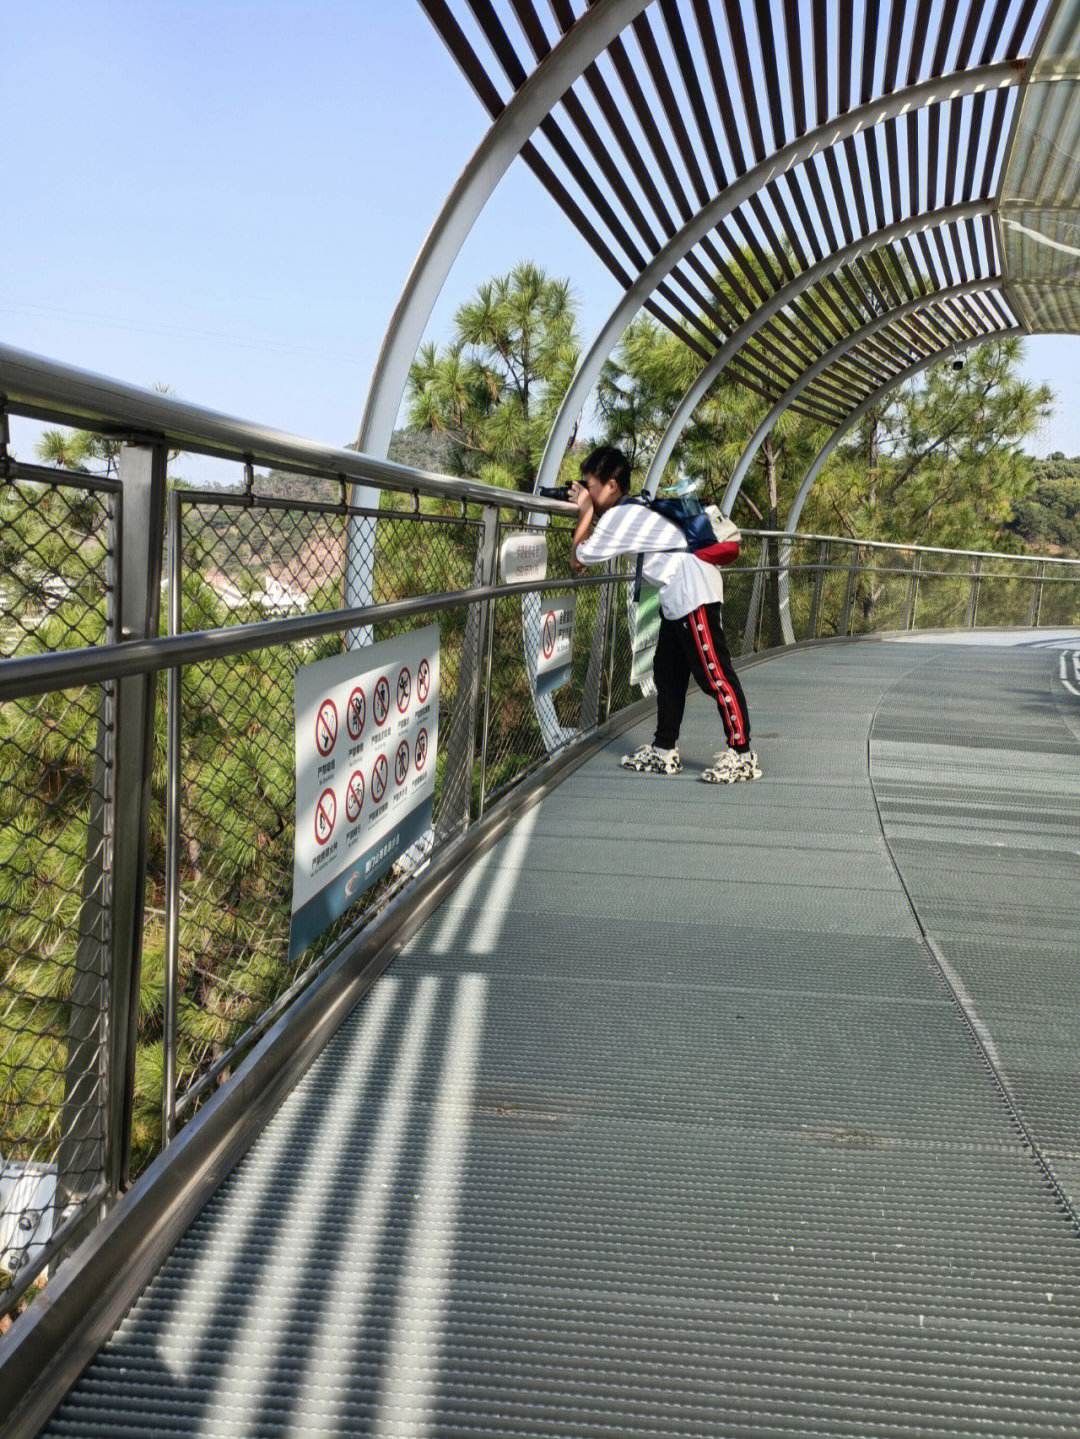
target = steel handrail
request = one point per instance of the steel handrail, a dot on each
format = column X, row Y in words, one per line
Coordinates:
column 40, row 388
column 793, row 536
column 25, row 675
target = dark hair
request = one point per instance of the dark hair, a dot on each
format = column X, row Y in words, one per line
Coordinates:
column 608, row 463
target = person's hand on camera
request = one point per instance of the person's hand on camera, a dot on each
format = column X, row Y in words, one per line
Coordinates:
column 579, row 495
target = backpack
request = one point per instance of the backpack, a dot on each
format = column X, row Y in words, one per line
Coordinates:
column 710, row 536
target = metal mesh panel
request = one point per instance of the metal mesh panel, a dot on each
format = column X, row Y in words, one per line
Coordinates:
column 1004, row 592
column 246, row 560
column 1058, row 598
column 56, row 554
column 55, row 541
column 944, row 593
column 882, row 592
column 237, row 778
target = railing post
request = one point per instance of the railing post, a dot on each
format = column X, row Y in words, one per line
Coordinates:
column 174, row 681
column 913, row 590
column 594, row 674
column 849, row 593
column 80, row 1160
column 819, row 581
column 143, row 476
column 1037, row 595
column 973, row 597
column 615, row 588
column 486, row 722
column 81, row 1153
column 456, row 807
column 753, row 609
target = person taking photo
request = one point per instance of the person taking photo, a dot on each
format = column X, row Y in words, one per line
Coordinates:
column 691, row 640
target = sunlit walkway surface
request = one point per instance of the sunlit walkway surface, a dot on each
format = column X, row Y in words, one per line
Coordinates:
column 669, row 1123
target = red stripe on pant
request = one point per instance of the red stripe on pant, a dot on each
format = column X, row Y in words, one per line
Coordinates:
column 734, row 721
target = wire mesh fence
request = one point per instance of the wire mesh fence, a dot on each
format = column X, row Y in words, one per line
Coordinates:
column 223, row 748
column 57, row 552
column 245, row 559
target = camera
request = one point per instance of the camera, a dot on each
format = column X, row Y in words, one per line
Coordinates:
column 555, row 492
column 957, row 364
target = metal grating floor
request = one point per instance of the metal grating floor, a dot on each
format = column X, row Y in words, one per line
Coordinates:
column 668, row 1125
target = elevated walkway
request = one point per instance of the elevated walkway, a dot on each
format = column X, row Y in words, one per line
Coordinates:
column 694, row 1112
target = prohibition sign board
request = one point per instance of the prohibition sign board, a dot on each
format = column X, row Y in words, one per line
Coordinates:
column 421, row 749
column 404, row 689
column 423, row 681
column 326, row 727
column 356, row 713
column 401, row 762
column 550, row 631
column 354, row 796
column 325, row 816
column 380, row 772
column 380, row 704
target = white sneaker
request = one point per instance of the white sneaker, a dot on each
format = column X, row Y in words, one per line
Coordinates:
column 730, row 767
column 647, row 759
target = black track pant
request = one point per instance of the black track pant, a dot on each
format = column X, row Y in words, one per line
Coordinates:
column 696, row 646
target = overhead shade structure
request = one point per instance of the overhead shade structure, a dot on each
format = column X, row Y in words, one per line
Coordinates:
column 772, row 179
column 1040, row 225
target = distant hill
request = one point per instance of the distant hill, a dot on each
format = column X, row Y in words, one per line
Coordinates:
column 430, row 450
column 1048, row 520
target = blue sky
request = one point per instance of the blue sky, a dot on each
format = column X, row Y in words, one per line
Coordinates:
column 227, row 197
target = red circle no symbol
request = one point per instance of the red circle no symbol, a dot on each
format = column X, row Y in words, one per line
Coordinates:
column 379, row 775
column 404, row 688
column 421, row 749
column 356, row 713
column 549, row 634
column 380, row 705
column 423, row 681
column 326, row 726
column 401, row 762
column 354, row 796
column 325, row 816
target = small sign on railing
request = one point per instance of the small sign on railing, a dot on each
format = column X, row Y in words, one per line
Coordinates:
column 523, row 558
column 367, row 725
column 555, row 643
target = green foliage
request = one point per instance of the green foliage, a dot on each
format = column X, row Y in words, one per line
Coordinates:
column 1047, row 519
column 494, row 389
column 941, row 462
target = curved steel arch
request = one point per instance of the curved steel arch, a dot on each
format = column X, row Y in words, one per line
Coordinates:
column 790, row 292
column 871, row 400
column 913, row 97
column 501, row 145
column 791, row 523
column 838, row 351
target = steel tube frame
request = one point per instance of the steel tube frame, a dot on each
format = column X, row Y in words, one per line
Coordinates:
column 62, row 669
column 173, row 698
column 143, row 477
column 554, row 75
column 913, row 97
column 40, row 388
column 500, row 147
column 802, row 282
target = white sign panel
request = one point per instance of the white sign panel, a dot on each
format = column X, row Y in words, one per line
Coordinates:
column 555, row 646
column 523, row 558
column 367, row 728
column 644, row 618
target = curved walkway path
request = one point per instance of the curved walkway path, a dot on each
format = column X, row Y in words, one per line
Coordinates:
column 704, row 1112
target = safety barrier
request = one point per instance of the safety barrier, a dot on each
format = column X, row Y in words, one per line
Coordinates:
column 147, row 844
